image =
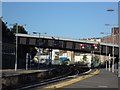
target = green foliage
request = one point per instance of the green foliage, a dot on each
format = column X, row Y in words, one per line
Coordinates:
column 7, row 35
column 64, row 62
column 85, row 58
column 56, row 59
column 96, row 58
column 81, row 62
column 71, row 62
column 21, row 29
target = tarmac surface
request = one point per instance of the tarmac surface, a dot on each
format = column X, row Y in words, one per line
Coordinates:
column 105, row 79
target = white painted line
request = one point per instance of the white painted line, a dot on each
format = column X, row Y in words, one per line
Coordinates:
column 87, row 72
column 103, row 86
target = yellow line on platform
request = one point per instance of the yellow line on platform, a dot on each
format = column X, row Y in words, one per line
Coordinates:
column 66, row 83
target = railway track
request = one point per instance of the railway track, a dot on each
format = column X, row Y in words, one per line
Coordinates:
column 73, row 72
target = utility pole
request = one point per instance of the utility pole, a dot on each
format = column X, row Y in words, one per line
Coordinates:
column 39, row 53
column 100, row 54
column 111, row 10
column 106, row 47
column 113, row 64
column 16, row 47
column 109, row 62
column 106, row 55
column 119, row 38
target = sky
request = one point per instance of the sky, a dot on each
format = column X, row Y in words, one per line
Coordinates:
column 62, row 19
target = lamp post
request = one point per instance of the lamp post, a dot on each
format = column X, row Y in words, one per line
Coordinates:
column 16, row 47
column 119, row 37
column 100, row 54
column 106, row 47
column 39, row 47
column 16, row 55
column 109, row 62
column 113, row 64
column 112, row 10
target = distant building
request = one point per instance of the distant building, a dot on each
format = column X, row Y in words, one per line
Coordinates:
column 68, row 54
column 109, row 38
column 55, row 54
column 91, row 39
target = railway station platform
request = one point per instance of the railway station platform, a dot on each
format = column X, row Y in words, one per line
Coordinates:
column 104, row 80
column 10, row 77
column 101, row 80
column 16, row 79
column 12, row 72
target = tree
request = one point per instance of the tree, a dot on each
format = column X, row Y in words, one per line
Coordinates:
column 85, row 58
column 64, row 62
column 7, row 35
column 21, row 29
column 96, row 59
